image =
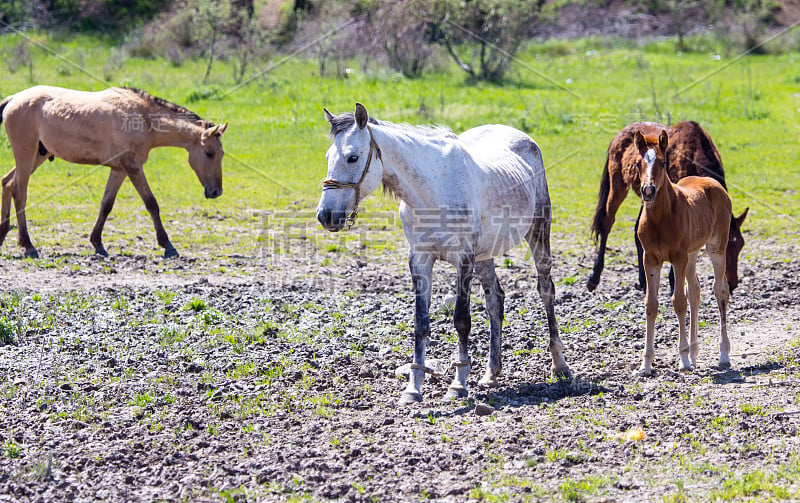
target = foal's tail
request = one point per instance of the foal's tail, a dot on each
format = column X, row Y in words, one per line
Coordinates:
column 3, row 106
column 602, row 198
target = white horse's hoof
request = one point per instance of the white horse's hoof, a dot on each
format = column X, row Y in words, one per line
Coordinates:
column 646, row 372
column 562, row 374
column 489, row 381
column 408, row 398
column 455, row 393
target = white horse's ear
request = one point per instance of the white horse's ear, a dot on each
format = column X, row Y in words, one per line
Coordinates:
column 641, row 145
column 361, row 116
column 663, row 141
column 328, row 115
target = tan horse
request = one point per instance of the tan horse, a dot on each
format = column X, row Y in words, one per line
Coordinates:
column 677, row 220
column 116, row 128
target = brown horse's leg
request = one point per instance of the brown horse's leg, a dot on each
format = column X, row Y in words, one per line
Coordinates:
column 694, row 307
column 463, row 324
column 652, row 270
column 722, row 295
column 539, row 241
column 494, row 308
column 115, row 179
column 617, row 192
column 679, row 305
column 5, row 210
column 140, row 182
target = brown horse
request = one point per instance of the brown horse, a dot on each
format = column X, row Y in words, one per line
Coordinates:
column 676, row 221
column 116, row 128
column 691, row 152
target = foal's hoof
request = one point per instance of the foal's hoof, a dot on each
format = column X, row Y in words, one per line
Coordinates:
column 455, row 393
column 724, row 365
column 408, row 398
column 170, row 252
column 490, row 380
column 31, row 253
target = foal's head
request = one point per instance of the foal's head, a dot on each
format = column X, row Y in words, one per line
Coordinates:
column 205, row 158
column 354, row 168
column 652, row 165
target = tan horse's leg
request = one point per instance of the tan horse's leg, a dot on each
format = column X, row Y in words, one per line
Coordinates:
column 679, row 305
column 115, row 179
column 694, row 307
column 140, row 183
column 20, row 195
column 5, row 210
column 652, row 269
column 722, row 294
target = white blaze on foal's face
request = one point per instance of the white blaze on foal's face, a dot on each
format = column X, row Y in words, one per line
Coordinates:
column 649, row 160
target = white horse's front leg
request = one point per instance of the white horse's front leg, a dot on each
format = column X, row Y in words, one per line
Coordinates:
column 463, row 324
column 421, row 265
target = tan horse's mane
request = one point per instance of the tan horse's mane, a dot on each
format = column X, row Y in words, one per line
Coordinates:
column 172, row 107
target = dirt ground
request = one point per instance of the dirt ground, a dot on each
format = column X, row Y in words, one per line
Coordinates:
column 135, row 378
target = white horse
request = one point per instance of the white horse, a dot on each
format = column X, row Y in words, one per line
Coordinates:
column 464, row 199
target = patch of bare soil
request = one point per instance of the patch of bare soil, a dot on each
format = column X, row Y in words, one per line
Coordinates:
column 134, row 378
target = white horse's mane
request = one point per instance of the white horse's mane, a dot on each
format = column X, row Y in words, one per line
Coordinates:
column 344, row 122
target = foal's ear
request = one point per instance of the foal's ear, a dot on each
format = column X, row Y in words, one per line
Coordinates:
column 663, row 141
column 361, row 116
column 638, row 140
column 328, row 115
column 740, row 218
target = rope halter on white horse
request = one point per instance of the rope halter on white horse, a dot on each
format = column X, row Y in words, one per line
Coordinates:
column 331, row 183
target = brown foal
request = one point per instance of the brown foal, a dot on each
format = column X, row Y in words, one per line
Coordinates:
column 676, row 221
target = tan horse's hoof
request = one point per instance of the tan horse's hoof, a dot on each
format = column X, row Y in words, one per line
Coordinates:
column 646, row 372
column 408, row 398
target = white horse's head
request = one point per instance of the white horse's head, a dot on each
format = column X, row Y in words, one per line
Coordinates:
column 354, row 168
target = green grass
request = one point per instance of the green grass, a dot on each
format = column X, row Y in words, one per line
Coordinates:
column 275, row 146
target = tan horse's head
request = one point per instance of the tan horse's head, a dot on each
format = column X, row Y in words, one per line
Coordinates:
column 652, row 164
column 205, row 158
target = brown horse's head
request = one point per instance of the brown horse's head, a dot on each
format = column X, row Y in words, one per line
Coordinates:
column 735, row 245
column 205, row 158
column 652, row 165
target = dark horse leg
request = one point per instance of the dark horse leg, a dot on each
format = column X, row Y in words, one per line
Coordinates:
column 640, row 252
column 613, row 191
column 539, row 241
column 495, row 298
column 115, row 179
column 421, row 265
column 463, row 324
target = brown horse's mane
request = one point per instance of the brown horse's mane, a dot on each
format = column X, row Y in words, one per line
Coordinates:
column 172, row 107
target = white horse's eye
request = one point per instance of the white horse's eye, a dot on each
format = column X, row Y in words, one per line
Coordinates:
column 352, row 159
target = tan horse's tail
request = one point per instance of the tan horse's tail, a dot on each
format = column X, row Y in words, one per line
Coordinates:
column 602, row 199
column 3, row 106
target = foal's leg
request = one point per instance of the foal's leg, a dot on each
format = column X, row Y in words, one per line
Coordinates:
column 722, row 295
column 679, row 305
column 463, row 323
column 115, row 179
column 652, row 270
column 494, row 307
column 140, row 182
column 5, row 210
column 539, row 241
column 421, row 265
column 694, row 307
